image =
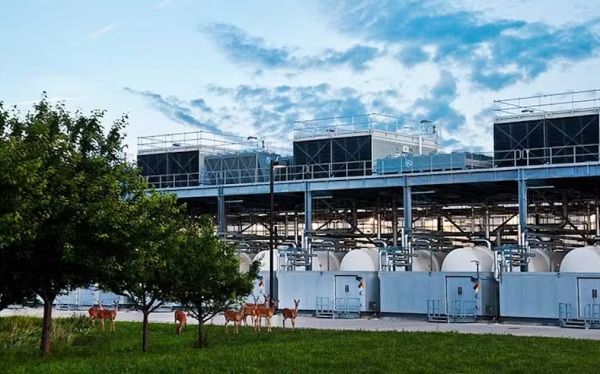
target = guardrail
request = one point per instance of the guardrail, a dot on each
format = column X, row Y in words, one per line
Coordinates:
column 408, row 164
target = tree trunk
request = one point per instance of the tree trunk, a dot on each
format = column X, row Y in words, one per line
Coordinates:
column 200, row 333
column 46, row 344
column 145, row 331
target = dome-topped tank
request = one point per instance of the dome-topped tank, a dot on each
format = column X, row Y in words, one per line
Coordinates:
column 542, row 261
column 319, row 263
column 582, row 260
column 245, row 262
column 365, row 259
column 423, row 261
column 265, row 263
column 461, row 259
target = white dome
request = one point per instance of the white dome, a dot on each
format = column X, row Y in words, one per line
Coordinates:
column 460, row 259
column 423, row 261
column 582, row 260
column 541, row 262
column 265, row 264
column 319, row 263
column 361, row 260
column 245, row 262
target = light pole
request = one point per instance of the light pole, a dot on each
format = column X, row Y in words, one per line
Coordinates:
column 272, row 165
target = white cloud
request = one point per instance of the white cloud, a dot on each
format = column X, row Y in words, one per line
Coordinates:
column 102, row 31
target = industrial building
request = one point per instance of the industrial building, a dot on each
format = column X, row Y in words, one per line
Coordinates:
column 370, row 216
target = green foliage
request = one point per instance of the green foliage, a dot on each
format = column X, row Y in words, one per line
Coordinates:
column 62, row 187
column 209, row 280
column 146, row 272
column 305, row 351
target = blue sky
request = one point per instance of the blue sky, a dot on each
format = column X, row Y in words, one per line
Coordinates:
column 253, row 68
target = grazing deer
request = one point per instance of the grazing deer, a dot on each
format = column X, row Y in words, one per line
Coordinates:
column 235, row 317
column 109, row 314
column 249, row 310
column 291, row 314
column 264, row 312
column 180, row 317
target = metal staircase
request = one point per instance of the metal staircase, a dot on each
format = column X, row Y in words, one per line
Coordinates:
column 339, row 307
column 591, row 317
column 294, row 258
column 458, row 311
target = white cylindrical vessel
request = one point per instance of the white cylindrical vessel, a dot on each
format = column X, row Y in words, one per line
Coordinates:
column 245, row 262
column 539, row 263
column 361, row 260
column 582, row 260
column 463, row 259
column 265, row 263
column 319, row 263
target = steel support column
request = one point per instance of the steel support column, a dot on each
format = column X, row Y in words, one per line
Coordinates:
column 221, row 213
column 522, row 211
column 307, row 217
column 407, row 203
column 394, row 222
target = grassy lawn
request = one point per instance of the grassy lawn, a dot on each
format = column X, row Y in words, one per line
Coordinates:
column 78, row 348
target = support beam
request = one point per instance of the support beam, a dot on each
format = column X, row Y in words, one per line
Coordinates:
column 307, row 218
column 408, row 222
column 597, row 219
column 522, row 228
column 394, row 222
column 486, row 223
column 222, row 222
column 378, row 215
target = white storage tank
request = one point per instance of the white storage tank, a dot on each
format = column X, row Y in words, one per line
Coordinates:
column 542, row 261
column 265, row 263
column 319, row 263
column 461, row 259
column 365, row 259
column 423, row 261
column 582, row 260
column 245, row 261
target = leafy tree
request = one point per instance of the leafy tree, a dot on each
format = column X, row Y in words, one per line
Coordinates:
column 209, row 280
column 147, row 273
column 62, row 187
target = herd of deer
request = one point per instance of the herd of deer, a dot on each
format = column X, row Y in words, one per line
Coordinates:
column 255, row 311
column 259, row 311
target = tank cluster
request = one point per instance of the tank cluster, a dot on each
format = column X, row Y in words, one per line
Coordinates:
column 465, row 259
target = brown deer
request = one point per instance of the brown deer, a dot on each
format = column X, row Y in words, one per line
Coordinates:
column 109, row 314
column 235, row 317
column 180, row 317
column 249, row 310
column 291, row 314
column 263, row 312
column 94, row 312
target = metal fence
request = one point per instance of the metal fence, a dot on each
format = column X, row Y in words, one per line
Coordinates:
column 408, row 164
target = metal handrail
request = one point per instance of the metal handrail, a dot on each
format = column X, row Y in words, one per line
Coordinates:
column 533, row 157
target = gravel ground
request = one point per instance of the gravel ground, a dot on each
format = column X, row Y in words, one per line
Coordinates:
column 375, row 324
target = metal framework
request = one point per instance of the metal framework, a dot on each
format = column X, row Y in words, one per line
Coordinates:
column 542, row 129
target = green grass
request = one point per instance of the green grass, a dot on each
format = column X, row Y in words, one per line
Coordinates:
column 78, row 348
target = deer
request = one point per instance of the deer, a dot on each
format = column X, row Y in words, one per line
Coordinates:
column 249, row 310
column 291, row 314
column 264, row 312
column 94, row 312
column 109, row 314
column 235, row 317
column 180, row 317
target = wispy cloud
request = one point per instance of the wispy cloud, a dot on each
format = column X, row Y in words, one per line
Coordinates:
column 162, row 4
column 271, row 111
column 102, row 31
column 483, row 47
column 243, row 48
